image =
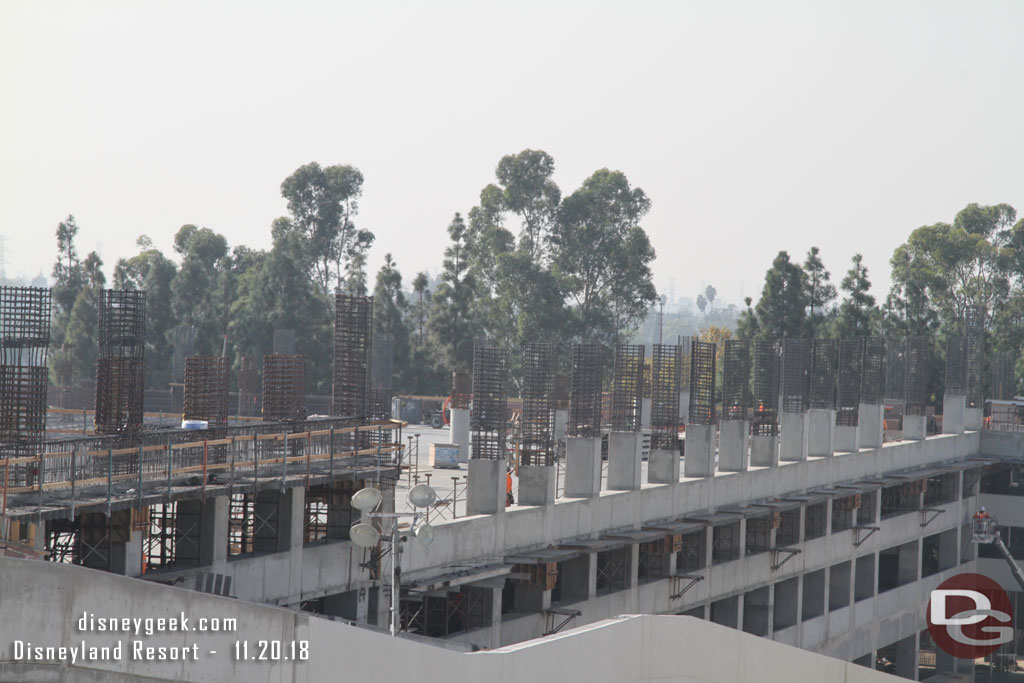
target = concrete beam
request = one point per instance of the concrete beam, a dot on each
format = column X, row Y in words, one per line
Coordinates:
column 871, row 424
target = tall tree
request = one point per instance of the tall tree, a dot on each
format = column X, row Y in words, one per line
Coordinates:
column 820, row 291
column 782, row 310
column 527, row 190
column 68, row 281
column 82, row 330
column 857, row 313
column 323, row 202
column 389, row 319
column 449, row 317
column 419, row 287
column 709, row 294
column 193, row 290
column 602, row 255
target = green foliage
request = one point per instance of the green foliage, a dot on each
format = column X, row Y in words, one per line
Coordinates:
column 450, row 317
column 389, row 313
column 819, row 290
column 857, row 313
column 782, row 310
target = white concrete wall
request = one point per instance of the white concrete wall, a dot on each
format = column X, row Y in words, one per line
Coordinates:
column 43, row 601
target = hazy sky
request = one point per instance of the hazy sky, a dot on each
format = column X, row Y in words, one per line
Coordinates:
column 753, row 127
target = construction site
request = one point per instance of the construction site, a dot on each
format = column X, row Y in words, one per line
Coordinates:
column 797, row 499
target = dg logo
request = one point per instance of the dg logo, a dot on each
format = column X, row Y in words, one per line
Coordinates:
column 970, row 616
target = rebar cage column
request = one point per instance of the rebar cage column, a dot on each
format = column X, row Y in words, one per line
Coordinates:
column 585, row 390
column 206, row 389
column 538, row 404
column 767, row 370
column 120, row 368
column 627, row 388
column 284, row 384
column 666, row 360
column 736, row 380
column 916, row 359
column 353, row 355
column 795, row 377
column 823, row 374
column 702, row 383
column 489, row 414
column 974, row 357
column 851, row 372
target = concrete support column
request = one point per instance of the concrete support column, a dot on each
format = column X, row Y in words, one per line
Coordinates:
column 764, row 451
column 872, row 425
column 973, row 419
column 561, row 421
column 699, row 460
column 536, row 485
column 663, row 466
column 793, row 437
column 734, row 446
column 582, row 466
column 495, row 617
column 915, row 427
column 624, row 456
column 847, row 439
column 268, row 522
column 458, row 432
column 821, row 433
column 953, row 413
column 486, row 487
column 907, row 657
column 216, row 519
column 293, row 518
column 126, row 557
column 684, row 407
column 645, row 413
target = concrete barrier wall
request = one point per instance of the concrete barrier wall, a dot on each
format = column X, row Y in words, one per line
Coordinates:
column 42, row 603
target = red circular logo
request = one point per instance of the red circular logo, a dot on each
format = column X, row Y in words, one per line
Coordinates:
column 970, row 616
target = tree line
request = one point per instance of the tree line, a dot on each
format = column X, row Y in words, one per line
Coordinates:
column 525, row 264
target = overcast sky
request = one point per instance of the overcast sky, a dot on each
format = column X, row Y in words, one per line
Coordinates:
column 753, row 127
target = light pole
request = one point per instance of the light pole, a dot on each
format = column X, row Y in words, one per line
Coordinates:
column 366, row 535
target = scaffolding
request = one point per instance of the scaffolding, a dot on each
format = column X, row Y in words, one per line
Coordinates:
column 665, row 373
column 353, row 355
column 120, row 368
column 795, row 360
column 823, row 374
column 736, row 380
column 627, row 387
column 489, row 416
column 284, row 384
column 767, row 370
column 24, row 338
column 206, row 389
column 702, row 383
column 872, row 386
column 851, row 375
column 585, row 390
column 538, row 404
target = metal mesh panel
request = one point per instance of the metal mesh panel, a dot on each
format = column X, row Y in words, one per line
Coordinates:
column 122, row 323
column 378, row 404
column 974, row 357
column 462, row 389
column 284, row 342
column 627, row 388
column 956, row 365
column 24, row 317
column 24, row 338
column 917, row 357
column 767, row 372
column 665, row 362
column 896, row 369
column 1004, row 381
column 538, row 404
column 702, row 383
column 585, row 390
column 851, row 372
column 119, row 394
column 353, row 349
column 489, row 416
column 736, row 380
column 206, row 389
column 284, row 385
column 823, row 374
column 872, row 386
column 796, row 355
column 184, row 346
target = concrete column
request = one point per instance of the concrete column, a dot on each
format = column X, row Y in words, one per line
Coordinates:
column 560, row 422
column 126, row 558
column 495, row 617
column 793, row 437
column 915, row 427
column 847, row 439
column 582, row 466
column 821, row 433
column 764, row 451
column 872, row 425
column 699, row 451
column 624, row 456
column 734, row 446
column 216, row 519
column 684, row 407
column 486, row 487
column 293, row 518
column 268, row 522
column 536, row 485
column 907, row 657
column 645, row 413
column 663, row 466
column 973, row 419
column 953, row 413
column 458, row 432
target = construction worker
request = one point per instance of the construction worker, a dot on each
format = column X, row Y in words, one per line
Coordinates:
column 981, row 514
column 509, row 499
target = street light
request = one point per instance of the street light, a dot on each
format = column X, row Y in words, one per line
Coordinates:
column 367, row 535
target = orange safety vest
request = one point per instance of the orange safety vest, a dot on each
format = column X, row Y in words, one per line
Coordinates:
column 508, row 482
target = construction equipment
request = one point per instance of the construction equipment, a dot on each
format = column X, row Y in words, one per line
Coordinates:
column 984, row 530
